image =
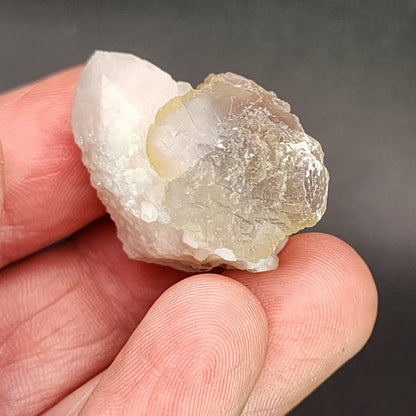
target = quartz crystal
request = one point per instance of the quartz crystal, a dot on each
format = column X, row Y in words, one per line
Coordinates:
column 219, row 175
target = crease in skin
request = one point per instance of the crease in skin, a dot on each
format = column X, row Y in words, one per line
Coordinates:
column 1, row 181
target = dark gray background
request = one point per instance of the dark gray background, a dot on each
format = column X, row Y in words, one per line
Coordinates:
column 349, row 70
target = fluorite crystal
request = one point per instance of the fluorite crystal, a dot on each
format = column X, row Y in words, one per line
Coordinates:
column 196, row 178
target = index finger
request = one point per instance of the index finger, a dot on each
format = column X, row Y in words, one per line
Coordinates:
column 46, row 189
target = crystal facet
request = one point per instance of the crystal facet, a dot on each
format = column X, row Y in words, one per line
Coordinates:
column 196, row 178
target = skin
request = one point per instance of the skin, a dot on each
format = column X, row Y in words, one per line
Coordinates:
column 86, row 331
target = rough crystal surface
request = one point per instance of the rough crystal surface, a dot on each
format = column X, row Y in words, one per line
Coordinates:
column 219, row 175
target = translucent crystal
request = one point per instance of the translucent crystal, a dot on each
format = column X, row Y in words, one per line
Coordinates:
column 219, row 175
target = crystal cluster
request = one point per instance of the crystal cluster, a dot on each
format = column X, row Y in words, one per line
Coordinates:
column 196, row 178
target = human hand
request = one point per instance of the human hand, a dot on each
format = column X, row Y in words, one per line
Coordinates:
column 86, row 331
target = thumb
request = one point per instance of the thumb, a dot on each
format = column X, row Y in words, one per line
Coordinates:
column 199, row 350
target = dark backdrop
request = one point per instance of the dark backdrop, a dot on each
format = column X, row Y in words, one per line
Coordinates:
column 349, row 70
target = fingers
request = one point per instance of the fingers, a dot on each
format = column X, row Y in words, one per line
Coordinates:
column 47, row 194
column 66, row 312
column 72, row 404
column 321, row 306
column 198, row 351
column 1, row 181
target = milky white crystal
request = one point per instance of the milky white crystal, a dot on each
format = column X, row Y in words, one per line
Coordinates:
column 194, row 179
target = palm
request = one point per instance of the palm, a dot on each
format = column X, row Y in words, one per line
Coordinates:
column 74, row 317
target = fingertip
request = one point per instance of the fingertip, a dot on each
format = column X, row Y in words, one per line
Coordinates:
column 64, row 77
column 321, row 305
column 201, row 346
column 321, row 269
column 226, row 299
column 341, row 273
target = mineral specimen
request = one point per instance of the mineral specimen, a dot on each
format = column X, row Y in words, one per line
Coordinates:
column 196, row 178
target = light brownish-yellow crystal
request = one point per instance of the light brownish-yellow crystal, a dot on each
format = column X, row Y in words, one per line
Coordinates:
column 240, row 172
